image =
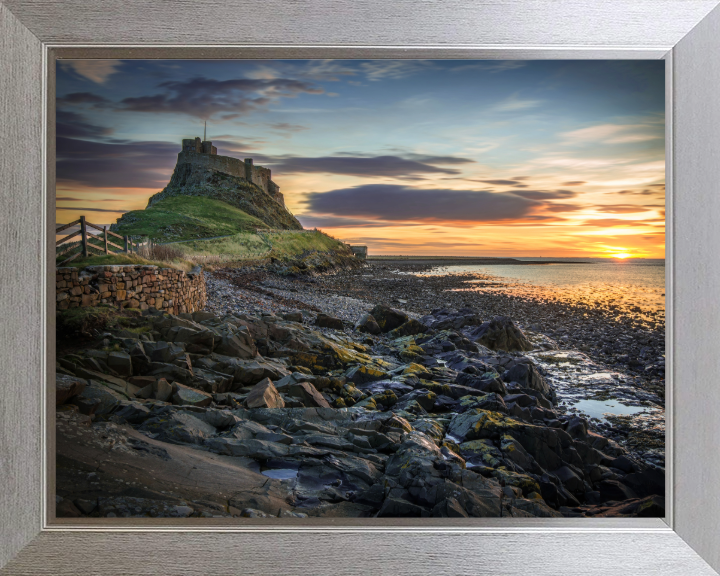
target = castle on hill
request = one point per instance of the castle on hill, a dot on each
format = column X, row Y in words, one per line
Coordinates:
column 202, row 154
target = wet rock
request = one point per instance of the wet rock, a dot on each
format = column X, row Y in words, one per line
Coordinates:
column 325, row 321
column 624, row 464
column 307, row 394
column 424, row 398
column 570, row 480
column 367, row 324
column 239, row 344
column 545, row 445
column 522, row 400
column 264, row 395
column 480, row 452
column 249, row 448
column 443, row 319
column 650, row 507
column 170, row 372
column 253, row 372
column 399, row 508
column 162, row 390
column 651, row 481
column 97, row 399
column 365, row 374
column 141, row 381
column 578, row 428
column 134, row 413
column 527, row 376
column 120, row 363
column 513, row 451
column 164, row 351
column 189, row 397
column 202, row 340
column 500, row 333
column 488, row 382
column 388, row 318
column 409, row 328
column 491, row 401
column 615, row 490
column 179, row 427
column 66, row 387
column 534, row 508
column 294, row 316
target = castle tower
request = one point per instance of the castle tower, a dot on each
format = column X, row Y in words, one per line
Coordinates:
column 249, row 169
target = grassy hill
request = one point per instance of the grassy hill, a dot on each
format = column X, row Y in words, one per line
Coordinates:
column 280, row 245
column 186, row 217
column 207, row 231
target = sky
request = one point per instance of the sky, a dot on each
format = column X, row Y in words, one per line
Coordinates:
column 444, row 157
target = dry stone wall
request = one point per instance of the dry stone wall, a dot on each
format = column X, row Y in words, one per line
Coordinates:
column 131, row 286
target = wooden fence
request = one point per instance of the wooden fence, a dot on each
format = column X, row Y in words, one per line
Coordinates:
column 85, row 245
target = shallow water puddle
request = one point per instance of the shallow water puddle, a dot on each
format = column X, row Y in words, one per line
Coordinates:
column 280, row 473
column 599, row 408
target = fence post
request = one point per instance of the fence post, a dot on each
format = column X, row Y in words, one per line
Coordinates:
column 105, row 234
column 83, row 229
column 126, row 244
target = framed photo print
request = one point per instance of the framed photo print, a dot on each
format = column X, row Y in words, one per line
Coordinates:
column 438, row 297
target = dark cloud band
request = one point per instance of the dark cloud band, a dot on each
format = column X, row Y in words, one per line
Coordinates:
column 395, row 203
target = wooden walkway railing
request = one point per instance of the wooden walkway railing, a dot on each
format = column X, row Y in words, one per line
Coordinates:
column 86, row 241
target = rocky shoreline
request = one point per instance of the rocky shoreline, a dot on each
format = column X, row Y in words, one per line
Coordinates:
column 350, row 395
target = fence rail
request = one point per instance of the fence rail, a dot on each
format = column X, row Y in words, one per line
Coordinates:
column 85, row 244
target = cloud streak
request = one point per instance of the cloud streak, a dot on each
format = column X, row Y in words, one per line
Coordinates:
column 114, row 165
column 396, row 203
column 203, row 97
column 377, row 166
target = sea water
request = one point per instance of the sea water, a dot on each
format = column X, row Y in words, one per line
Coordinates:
column 623, row 282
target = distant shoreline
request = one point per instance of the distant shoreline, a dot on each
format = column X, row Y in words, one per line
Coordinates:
column 469, row 260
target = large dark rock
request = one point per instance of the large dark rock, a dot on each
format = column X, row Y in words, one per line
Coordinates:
column 488, row 382
column 66, row 387
column 295, row 316
column 500, row 333
column 444, row 319
column 388, row 318
column 264, row 395
column 399, row 508
column 307, row 394
column 201, row 340
column 179, row 427
column 367, row 324
column 648, row 482
column 134, row 413
column 570, row 480
column 325, row 321
column 615, row 490
column 239, row 344
column 527, row 376
column 578, row 428
column 97, row 399
column 409, row 328
column 190, row 397
column 120, row 363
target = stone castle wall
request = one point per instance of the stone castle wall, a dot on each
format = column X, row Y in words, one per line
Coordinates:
column 258, row 175
column 131, row 286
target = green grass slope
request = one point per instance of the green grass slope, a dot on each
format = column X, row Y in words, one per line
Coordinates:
column 186, row 218
column 244, row 246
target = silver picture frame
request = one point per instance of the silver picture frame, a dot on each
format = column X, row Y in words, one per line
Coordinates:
column 685, row 33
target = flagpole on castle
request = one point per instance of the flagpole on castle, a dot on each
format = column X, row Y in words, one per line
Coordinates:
column 205, row 132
